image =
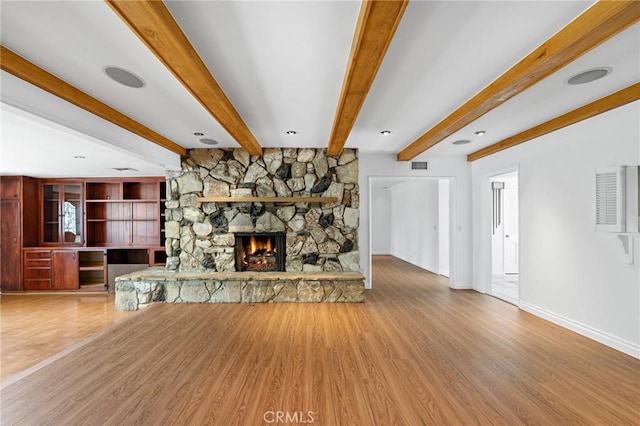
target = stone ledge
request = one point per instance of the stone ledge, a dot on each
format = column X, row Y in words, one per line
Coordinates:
column 153, row 285
column 159, row 273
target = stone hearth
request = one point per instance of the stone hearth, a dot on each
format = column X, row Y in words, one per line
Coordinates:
column 139, row 289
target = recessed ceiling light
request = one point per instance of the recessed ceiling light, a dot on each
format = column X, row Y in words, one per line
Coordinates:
column 124, row 77
column 198, row 134
column 291, row 132
column 461, row 142
column 208, row 141
column 125, row 169
column 589, row 75
column 480, row 132
column 385, row 132
column 79, row 157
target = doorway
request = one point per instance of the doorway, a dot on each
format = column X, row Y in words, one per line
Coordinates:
column 505, row 247
column 411, row 219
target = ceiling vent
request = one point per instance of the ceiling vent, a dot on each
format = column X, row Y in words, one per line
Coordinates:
column 418, row 165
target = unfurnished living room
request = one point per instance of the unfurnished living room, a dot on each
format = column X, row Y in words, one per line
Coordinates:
column 319, row 212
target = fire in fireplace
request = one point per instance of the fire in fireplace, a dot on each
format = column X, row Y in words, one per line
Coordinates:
column 261, row 252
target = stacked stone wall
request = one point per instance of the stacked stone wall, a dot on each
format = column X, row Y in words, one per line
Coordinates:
column 319, row 236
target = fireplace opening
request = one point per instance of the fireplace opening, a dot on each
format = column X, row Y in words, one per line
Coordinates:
column 260, row 252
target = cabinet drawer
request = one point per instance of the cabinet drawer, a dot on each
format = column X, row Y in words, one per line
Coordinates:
column 37, row 285
column 37, row 273
column 37, row 263
column 44, row 254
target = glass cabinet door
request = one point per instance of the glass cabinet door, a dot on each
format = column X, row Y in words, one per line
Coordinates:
column 62, row 213
column 52, row 213
column 72, row 217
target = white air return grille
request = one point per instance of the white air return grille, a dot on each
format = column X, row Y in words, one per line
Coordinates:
column 610, row 199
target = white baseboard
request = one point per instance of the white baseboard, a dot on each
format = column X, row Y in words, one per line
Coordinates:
column 607, row 339
column 460, row 285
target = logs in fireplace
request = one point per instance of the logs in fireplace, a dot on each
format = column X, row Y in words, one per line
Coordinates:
column 260, row 252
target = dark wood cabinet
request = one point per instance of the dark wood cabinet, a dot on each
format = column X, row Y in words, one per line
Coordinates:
column 51, row 269
column 123, row 213
column 10, row 243
column 55, row 233
column 37, row 269
column 64, row 270
column 62, row 213
column 18, row 227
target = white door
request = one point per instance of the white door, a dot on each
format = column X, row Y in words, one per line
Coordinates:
column 511, row 230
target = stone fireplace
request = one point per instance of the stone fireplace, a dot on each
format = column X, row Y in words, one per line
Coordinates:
column 318, row 236
column 260, row 252
column 280, row 227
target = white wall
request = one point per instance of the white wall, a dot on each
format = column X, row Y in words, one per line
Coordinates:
column 459, row 172
column 381, row 221
column 569, row 273
column 414, row 223
column 443, row 227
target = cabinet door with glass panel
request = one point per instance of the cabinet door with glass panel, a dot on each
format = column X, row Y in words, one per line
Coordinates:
column 62, row 216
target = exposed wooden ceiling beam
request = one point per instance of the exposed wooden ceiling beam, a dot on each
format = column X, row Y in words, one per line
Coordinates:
column 597, row 24
column 376, row 26
column 31, row 73
column 152, row 22
column 615, row 100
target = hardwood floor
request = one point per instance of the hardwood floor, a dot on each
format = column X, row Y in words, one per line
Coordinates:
column 36, row 327
column 414, row 353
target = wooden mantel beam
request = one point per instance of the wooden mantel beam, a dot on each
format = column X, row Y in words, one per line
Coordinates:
column 377, row 23
column 152, row 22
column 23, row 69
column 596, row 25
column 615, row 100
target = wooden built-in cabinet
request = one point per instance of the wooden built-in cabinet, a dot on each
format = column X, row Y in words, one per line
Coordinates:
column 56, row 233
column 37, row 270
column 92, row 269
column 18, row 226
column 62, row 213
column 65, row 269
column 123, row 214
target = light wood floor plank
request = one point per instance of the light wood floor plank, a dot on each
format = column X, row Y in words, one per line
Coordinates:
column 35, row 327
column 414, row 353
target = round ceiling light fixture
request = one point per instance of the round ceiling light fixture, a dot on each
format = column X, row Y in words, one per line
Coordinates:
column 291, row 132
column 124, row 77
column 208, row 141
column 589, row 75
column 385, row 132
column 461, row 142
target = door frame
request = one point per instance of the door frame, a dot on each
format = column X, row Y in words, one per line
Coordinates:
column 485, row 230
column 453, row 222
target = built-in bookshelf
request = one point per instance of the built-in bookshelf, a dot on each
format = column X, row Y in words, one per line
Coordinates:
column 123, row 213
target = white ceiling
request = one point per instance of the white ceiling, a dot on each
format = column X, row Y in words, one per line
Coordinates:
column 281, row 63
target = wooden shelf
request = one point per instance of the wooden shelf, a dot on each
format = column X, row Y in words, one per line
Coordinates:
column 128, row 200
column 92, row 266
column 96, row 282
column 267, row 199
